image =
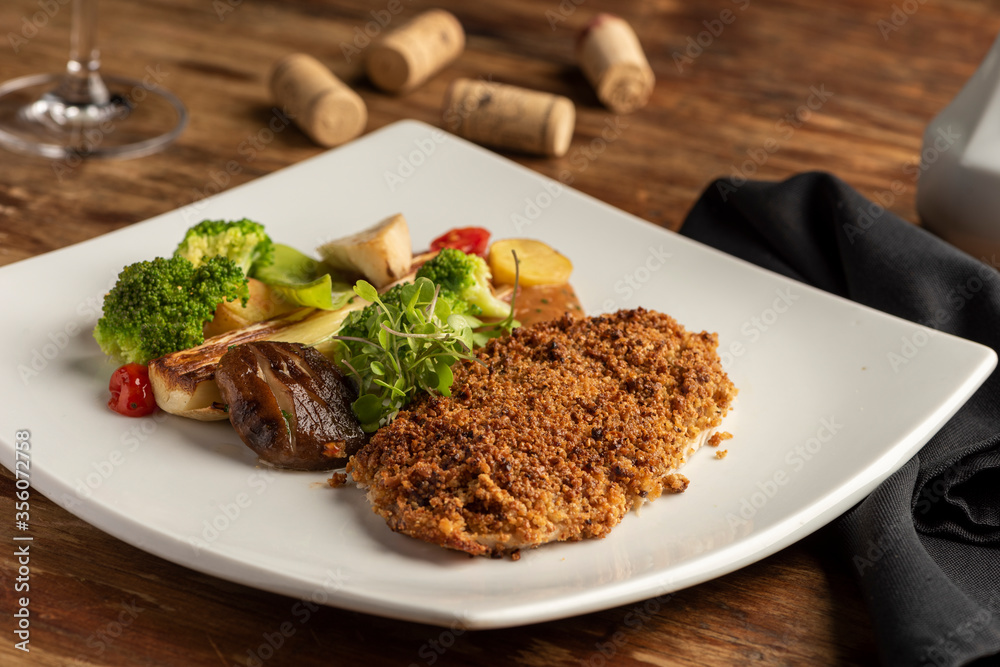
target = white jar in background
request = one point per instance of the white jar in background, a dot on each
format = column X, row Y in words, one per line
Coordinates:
column 958, row 194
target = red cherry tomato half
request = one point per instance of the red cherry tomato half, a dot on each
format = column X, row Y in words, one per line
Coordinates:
column 131, row 392
column 470, row 240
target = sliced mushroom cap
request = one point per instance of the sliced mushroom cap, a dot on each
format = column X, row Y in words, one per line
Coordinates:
column 290, row 405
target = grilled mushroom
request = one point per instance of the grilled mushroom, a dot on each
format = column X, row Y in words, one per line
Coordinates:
column 290, row 405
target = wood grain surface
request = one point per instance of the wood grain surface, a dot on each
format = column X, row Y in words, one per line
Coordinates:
column 735, row 83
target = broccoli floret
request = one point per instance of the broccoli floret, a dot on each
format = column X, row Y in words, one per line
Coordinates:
column 460, row 306
column 242, row 241
column 160, row 306
column 467, row 277
column 355, row 323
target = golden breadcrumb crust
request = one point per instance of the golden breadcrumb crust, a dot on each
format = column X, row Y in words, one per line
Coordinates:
column 564, row 427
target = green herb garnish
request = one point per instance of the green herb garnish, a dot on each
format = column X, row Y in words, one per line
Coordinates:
column 404, row 343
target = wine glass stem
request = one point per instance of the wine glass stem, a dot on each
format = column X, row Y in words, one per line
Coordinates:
column 82, row 83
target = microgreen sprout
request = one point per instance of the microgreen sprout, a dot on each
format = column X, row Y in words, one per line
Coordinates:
column 405, row 342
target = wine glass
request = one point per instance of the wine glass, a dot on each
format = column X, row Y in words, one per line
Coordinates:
column 80, row 114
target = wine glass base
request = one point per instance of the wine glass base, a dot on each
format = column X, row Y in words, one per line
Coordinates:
column 138, row 119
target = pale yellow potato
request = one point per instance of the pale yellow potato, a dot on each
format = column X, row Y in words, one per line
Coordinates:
column 540, row 263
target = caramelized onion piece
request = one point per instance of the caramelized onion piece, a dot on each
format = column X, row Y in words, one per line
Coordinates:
column 290, row 405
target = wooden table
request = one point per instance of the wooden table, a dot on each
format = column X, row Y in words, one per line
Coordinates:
column 734, row 76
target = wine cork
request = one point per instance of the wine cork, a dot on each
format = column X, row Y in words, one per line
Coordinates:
column 509, row 117
column 612, row 59
column 411, row 54
column 323, row 106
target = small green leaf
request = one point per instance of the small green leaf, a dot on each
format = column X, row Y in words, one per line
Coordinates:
column 428, row 379
column 457, row 322
column 385, row 385
column 445, row 378
column 425, row 328
column 442, row 309
column 409, row 295
column 302, row 280
column 368, row 407
column 366, row 290
column 427, row 289
column 319, row 293
column 377, row 368
column 289, row 266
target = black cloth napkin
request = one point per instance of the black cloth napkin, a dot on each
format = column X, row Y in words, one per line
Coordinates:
column 925, row 545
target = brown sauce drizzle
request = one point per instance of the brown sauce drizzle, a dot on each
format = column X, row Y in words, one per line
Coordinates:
column 540, row 303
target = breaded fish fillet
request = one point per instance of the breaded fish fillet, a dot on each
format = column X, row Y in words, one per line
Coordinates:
column 564, row 427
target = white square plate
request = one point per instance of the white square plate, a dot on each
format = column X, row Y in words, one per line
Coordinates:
column 833, row 398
